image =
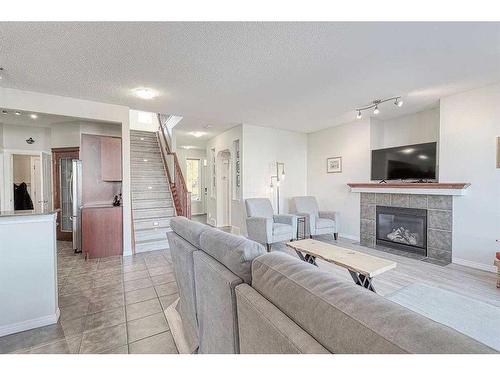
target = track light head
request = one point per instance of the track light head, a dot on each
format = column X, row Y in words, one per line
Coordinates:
column 359, row 115
column 398, row 102
column 376, row 111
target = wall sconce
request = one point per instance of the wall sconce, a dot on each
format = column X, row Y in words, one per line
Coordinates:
column 30, row 141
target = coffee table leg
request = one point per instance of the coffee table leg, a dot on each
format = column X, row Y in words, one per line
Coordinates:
column 310, row 259
column 362, row 280
column 301, row 257
column 307, row 258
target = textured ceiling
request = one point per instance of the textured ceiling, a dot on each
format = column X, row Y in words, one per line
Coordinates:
column 298, row 76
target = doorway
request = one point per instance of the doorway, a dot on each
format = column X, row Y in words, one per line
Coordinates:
column 224, row 189
column 62, row 167
column 26, row 181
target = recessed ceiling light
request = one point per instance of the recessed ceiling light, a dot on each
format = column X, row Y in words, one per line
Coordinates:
column 34, row 116
column 197, row 134
column 145, row 93
column 17, row 113
column 423, row 157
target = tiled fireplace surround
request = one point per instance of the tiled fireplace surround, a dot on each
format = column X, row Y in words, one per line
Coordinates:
column 439, row 219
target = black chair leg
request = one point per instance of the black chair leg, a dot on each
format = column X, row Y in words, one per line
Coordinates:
column 268, row 247
column 336, row 236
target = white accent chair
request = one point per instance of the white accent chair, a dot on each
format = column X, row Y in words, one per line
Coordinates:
column 265, row 227
column 317, row 222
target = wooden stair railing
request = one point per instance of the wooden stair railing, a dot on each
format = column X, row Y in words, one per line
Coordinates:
column 178, row 187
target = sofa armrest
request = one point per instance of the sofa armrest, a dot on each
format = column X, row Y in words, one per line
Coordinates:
column 289, row 220
column 260, row 229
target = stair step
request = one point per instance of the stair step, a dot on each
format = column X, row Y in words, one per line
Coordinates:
column 147, row 173
column 144, row 148
column 151, row 245
column 150, row 195
column 158, row 233
column 151, row 188
column 152, row 203
column 153, row 212
column 149, row 223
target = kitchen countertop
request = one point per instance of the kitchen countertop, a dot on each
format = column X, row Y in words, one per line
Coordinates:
column 27, row 212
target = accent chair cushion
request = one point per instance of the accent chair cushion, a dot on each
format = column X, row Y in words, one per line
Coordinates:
column 260, row 207
column 282, row 229
column 234, row 252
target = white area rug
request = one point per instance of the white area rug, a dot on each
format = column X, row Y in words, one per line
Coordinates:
column 473, row 318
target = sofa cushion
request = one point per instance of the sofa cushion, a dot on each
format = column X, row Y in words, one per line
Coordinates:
column 234, row 252
column 346, row 318
column 188, row 229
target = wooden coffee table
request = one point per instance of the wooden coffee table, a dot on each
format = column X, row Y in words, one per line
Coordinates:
column 362, row 267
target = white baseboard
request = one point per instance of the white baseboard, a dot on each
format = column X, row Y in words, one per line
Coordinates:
column 479, row 266
column 29, row 324
column 349, row 236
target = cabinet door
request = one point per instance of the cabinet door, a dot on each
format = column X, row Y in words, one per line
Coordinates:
column 111, row 159
column 102, row 232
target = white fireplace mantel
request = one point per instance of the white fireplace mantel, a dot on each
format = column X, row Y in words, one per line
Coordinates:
column 411, row 188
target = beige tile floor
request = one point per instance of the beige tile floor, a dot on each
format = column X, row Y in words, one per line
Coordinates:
column 108, row 305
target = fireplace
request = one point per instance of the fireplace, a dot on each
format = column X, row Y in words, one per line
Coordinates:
column 402, row 228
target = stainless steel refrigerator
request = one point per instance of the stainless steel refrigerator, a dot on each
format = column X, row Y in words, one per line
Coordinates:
column 76, row 200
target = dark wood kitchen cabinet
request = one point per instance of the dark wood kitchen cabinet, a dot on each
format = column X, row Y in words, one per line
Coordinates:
column 102, row 231
column 111, row 159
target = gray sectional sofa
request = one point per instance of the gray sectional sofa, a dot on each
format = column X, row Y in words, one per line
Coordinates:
column 236, row 298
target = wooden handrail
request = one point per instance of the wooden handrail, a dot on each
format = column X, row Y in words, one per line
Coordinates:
column 180, row 193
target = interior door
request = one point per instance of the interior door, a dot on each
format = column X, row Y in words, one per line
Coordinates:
column 46, row 180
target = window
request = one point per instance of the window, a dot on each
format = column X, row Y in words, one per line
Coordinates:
column 193, row 176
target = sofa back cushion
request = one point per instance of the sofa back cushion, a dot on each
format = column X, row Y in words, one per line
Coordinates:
column 306, row 205
column 346, row 318
column 236, row 253
column 260, row 207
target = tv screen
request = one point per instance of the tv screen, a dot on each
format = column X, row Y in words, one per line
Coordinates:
column 413, row 162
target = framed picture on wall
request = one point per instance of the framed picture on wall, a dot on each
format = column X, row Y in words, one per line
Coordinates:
column 334, row 165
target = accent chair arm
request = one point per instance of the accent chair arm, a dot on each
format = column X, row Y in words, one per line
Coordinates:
column 288, row 219
column 260, row 229
column 332, row 215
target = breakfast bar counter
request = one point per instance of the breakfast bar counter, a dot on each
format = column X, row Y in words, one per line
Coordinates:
column 28, row 270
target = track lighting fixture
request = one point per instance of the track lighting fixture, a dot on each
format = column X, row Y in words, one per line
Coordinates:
column 1, row 72
column 397, row 102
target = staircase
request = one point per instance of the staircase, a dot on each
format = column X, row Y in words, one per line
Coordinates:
column 152, row 206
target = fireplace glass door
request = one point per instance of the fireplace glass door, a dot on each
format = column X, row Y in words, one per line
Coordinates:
column 402, row 228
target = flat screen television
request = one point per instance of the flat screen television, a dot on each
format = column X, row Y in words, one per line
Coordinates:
column 412, row 162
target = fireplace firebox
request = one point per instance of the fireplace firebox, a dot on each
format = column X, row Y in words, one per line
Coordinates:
column 402, row 228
